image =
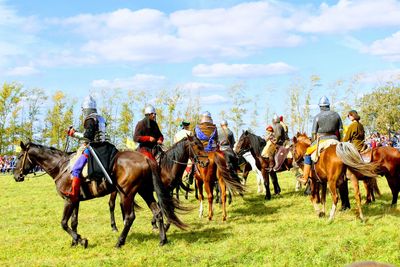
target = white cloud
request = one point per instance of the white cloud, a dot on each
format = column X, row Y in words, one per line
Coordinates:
column 22, row 71
column 148, row 35
column 349, row 15
column 242, row 70
column 138, row 81
column 388, row 48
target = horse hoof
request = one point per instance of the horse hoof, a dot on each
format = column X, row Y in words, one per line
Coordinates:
column 267, row 197
column 321, row 214
column 74, row 243
column 115, row 229
column 84, row 242
column 163, row 242
column 344, row 208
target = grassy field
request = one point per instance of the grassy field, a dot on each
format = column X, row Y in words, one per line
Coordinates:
column 282, row 232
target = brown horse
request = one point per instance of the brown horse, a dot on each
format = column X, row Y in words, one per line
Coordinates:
column 216, row 170
column 333, row 164
column 132, row 173
column 388, row 160
column 172, row 164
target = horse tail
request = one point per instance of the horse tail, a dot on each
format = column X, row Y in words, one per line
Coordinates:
column 167, row 203
column 230, row 177
column 350, row 156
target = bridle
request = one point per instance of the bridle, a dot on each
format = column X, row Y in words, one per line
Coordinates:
column 25, row 158
column 195, row 156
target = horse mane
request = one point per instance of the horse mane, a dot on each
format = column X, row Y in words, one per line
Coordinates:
column 257, row 142
column 53, row 150
column 168, row 158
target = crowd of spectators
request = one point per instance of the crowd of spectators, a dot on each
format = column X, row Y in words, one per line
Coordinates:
column 377, row 139
column 7, row 164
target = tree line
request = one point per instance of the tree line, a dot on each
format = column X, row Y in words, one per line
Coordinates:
column 31, row 114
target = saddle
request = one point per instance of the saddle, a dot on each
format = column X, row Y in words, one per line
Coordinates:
column 281, row 154
column 321, row 147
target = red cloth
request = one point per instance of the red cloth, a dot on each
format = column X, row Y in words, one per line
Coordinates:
column 147, row 153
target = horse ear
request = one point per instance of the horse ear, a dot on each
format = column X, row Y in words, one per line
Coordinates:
column 22, row 145
column 189, row 137
column 295, row 139
column 246, row 132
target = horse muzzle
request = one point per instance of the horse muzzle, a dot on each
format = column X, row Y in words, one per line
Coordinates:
column 19, row 178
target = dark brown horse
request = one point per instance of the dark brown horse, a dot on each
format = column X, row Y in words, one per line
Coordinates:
column 216, row 170
column 254, row 143
column 333, row 164
column 132, row 172
column 172, row 164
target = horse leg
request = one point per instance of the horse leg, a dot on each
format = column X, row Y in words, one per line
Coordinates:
column 208, row 186
column 217, row 194
column 200, row 196
column 266, row 184
column 222, row 185
column 344, row 195
column 368, row 191
column 335, row 198
column 148, row 197
column 274, row 178
column 323, row 199
column 314, row 195
column 394, row 189
column 129, row 217
column 111, row 205
column 69, row 209
column 357, row 195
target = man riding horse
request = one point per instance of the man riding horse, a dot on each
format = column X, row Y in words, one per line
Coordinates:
column 147, row 133
column 95, row 131
column 327, row 125
column 207, row 132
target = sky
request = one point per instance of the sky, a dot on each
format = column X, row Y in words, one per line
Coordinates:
column 202, row 47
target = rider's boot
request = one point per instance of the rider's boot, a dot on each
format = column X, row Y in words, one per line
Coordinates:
column 75, row 189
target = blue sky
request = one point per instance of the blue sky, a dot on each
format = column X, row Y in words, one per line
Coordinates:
column 199, row 46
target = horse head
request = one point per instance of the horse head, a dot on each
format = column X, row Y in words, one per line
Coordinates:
column 197, row 153
column 243, row 144
column 300, row 144
column 24, row 164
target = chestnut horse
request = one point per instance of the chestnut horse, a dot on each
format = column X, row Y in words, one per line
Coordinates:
column 132, row 173
column 388, row 160
column 333, row 164
column 254, row 143
column 216, row 170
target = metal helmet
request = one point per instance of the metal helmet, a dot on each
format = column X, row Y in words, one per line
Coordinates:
column 324, row 102
column 275, row 118
column 206, row 117
column 149, row 109
column 89, row 103
column 224, row 122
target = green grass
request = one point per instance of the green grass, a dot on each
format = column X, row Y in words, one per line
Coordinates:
column 282, row 232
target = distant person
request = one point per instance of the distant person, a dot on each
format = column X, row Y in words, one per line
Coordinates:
column 184, row 132
column 355, row 133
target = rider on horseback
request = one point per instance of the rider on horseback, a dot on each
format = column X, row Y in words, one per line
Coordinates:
column 327, row 125
column 272, row 143
column 147, row 133
column 207, row 132
column 95, row 131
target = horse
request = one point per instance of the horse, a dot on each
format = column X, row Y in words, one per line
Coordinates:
column 388, row 160
column 334, row 163
column 132, row 173
column 216, row 170
column 254, row 143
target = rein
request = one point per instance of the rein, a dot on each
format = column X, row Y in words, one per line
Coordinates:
column 195, row 156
